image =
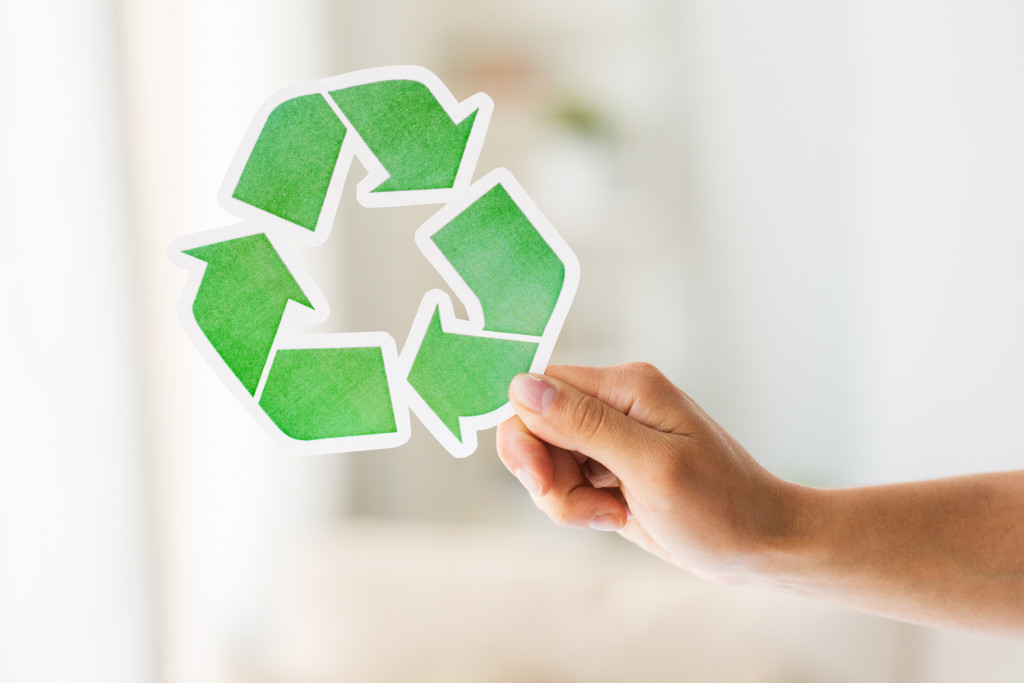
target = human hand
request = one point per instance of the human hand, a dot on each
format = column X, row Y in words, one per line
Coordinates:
column 621, row 448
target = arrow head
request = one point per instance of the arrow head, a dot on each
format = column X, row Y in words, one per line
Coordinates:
column 241, row 301
column 461, row 375
column 409, row 131
column 249, row 262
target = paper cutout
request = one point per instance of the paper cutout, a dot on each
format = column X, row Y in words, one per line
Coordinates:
column 289, row 169
column 321, row 393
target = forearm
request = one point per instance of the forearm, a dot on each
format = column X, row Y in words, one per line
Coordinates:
column 945, row 552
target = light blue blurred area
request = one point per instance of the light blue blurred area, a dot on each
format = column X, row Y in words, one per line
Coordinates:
column 808, row 214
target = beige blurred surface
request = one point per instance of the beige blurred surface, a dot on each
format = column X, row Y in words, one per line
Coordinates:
column 386, row 601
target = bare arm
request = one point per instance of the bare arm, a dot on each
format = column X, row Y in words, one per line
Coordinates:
column 623, row 449
column 948, row 552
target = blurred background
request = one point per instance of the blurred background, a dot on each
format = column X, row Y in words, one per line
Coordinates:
column 809, row 214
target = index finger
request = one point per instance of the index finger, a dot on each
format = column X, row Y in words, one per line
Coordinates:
column 525, row 456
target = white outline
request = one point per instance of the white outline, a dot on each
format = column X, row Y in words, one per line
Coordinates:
column 456, row 199
column 286, row 339
column 436, row 299
column 354, row 147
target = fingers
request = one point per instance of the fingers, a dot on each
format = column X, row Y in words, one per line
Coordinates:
column 525, row 456
column 580, row 434
column 563, row 416
column 573, row 501
column 558, row 482
column 637, row 390
column 599, row 476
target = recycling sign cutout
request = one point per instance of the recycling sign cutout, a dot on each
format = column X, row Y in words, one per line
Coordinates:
column 335, row 392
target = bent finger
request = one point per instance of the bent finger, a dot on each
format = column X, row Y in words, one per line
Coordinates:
column 573, row 502
column 563, row 416
column 525, row 456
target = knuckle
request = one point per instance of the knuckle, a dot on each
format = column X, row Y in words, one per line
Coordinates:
column 645, row 371
column 586, row 415
column 559, row 514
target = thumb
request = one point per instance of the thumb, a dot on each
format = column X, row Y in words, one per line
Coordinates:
column 566, row 417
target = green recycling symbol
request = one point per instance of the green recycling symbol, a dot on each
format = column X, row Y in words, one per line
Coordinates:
column 334, row 392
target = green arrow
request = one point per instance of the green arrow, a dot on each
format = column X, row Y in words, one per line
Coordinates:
column 408, row 131
column 505, row 261
column 241, row 300
column 462, row 376
column 327, row 393
column 290, row 167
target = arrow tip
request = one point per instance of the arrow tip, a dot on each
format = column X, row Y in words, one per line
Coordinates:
column 436, row 162
column 428, row 373
column 460, row 375
column 250, row 259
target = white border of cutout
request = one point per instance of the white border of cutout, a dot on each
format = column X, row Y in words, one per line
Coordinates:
column 288, row 339
column 437, row 299
column 354, row 147
column 397, row 366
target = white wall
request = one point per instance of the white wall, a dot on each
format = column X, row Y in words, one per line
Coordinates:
column 227, row 503
column 859, row 232
column 940, row 259
column 75, row 600
column 766, row 107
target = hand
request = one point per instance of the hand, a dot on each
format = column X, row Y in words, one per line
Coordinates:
column 621, row 448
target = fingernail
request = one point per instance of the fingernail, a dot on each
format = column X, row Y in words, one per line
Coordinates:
column 606, row 523
column 527, row 480
column 532, row 392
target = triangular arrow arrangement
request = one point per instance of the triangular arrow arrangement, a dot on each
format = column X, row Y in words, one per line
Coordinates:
column 501, row 258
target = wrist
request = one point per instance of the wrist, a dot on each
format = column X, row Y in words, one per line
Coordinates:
column 790, row 557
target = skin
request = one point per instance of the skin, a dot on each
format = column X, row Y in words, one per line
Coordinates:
column 623, row 449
